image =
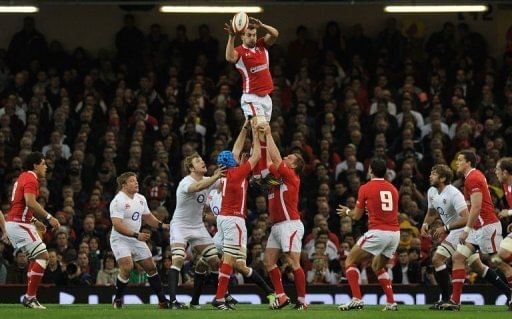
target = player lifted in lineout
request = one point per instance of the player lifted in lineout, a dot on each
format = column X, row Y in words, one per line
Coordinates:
column 251, row 59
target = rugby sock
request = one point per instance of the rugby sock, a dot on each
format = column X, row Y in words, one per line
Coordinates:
column 458, row 277
column 492, row 277
column 275, row 277
column 222, row 287
column 36, row 274
column 300, row 284
column 258, row 280
column 443, row 281
column 352, row 274
column 385, row 283
column 120, row 285
column 199, row 279
column 156, row 284
column 173, row 283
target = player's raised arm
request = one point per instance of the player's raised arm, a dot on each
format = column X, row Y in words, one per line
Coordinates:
column 231, row 54
column 256, row 147
column 207, row 182
column 272, row 149
column 272, row 33
column 240, row 140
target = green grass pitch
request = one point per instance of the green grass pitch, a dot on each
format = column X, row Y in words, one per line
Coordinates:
column 9, row 311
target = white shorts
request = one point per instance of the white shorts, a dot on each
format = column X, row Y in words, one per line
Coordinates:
column 233, row 231
column 195, row 235
column 380, row 242
column 24, row 236
column 286, row 236
column 124, row 246
column 487, row 238
column 255, row 105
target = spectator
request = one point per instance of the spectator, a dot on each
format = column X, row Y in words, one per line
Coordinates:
column 17, row 271
column 406, row 271
column 107, row 276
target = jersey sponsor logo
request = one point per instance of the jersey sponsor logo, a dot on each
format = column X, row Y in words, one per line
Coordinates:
column 440, row 210
column 258, row 68
column 200, row 199
column 135, row 216
column 141, row 203
column 216, row 210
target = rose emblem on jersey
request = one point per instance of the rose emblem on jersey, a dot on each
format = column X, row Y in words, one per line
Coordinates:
column 127, row 206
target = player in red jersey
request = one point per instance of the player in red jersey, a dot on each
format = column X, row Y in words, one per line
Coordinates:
column 231, row 220
column 20, row 230
column 380, row 199
column 482, row 232
column 287, row 229
column 251, row 59
column 504, row 258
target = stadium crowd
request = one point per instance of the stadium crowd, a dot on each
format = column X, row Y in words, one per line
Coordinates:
column 338, row 100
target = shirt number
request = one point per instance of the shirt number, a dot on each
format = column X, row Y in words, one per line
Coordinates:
column 14, row 191
column 386, row 201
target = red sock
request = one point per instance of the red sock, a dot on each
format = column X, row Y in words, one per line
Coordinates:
column 275, row 277
column 300, row 282
column 353, row 280
column 36, row 274
column 385, row 283
column 222, row 287
column 458, row 277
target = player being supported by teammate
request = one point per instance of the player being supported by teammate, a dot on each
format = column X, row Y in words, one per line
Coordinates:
column 380, row 199
column 127, row 210
column 251, row 59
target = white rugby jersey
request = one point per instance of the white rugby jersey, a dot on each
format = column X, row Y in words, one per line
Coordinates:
column 214, row 201
column 130, row 210
column 189, row 206
column 449, row 204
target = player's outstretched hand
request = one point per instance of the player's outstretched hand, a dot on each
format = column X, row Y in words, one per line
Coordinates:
column 220, row 172
column 229, row 29
column 144, row 236
column 54, row 223
column 342, row 210
column 255, row 22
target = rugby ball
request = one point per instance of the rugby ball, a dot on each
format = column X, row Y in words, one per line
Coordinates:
column 240, row 22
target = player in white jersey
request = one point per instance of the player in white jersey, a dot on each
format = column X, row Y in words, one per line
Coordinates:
column 127, row 210
column 187, row 226
column 447, row 202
